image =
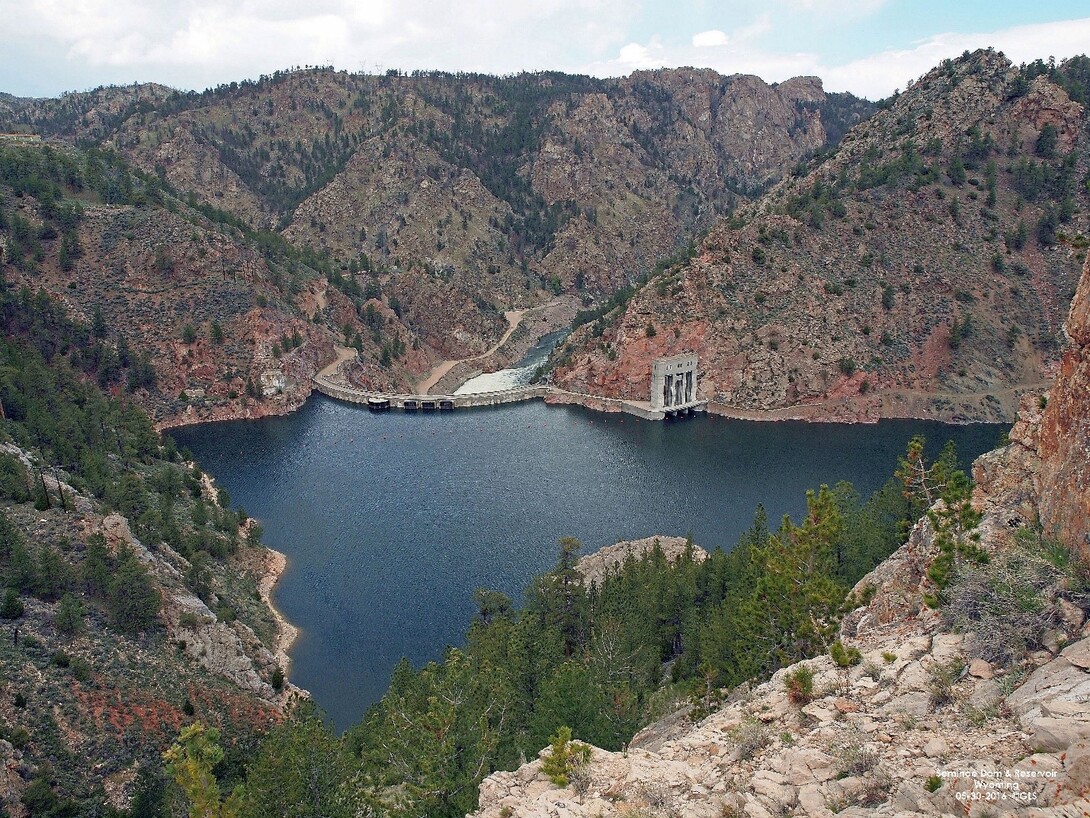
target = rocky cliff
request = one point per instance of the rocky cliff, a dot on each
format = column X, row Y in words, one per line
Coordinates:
column 1043, row 472
column 978, row 707
column 597, row 566
column 922, row 269
column 1064, row 438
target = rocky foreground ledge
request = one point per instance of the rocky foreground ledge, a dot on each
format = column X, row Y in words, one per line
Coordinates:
column 917, row 728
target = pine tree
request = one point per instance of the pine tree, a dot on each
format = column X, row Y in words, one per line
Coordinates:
column 53, row 575
column 69, row 617
column 133, row 600
column 95, row 570
column 98, row 322
column 12, row 607
column 189, row 762
column 301, row 770
column 797, row 592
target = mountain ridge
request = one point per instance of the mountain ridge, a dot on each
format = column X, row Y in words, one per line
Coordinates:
column 898, row 268
column 431, row 204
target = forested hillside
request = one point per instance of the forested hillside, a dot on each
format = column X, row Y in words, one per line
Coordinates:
column 110, row 645
column 192, row 312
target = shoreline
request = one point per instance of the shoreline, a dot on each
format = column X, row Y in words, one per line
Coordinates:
column 999, row 405
column 806, row 412
column 279, row 409
column 276, row 563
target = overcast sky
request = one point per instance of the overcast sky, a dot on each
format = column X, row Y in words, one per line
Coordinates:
column 868, row 47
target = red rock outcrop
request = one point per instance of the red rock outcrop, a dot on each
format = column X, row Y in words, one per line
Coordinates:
column 1064, row 444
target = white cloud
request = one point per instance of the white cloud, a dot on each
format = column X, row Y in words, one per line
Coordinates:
column 194, row 43
column 239, row 39
column 73, row 22
column 636, row 57
column 839, row 8
column 875, row 76
column 710, row 39
column 880, row 74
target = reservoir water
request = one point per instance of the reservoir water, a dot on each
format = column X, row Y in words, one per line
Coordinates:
column 390, row 521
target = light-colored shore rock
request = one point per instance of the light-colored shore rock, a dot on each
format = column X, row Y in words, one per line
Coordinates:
column 228, row 649
column 287, row 633
column 595, row 567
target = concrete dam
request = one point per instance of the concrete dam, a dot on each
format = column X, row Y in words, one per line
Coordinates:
column 673, row 394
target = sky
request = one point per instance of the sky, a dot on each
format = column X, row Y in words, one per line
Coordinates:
column 867, row 47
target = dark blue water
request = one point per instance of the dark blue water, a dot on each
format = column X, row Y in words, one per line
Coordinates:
column 390, row 521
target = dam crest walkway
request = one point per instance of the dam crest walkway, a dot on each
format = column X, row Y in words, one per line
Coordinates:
column 382, row 401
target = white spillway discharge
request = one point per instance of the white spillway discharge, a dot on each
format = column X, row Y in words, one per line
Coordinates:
column 518, row 375
column 496, row 381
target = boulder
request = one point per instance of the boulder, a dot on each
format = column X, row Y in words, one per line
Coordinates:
column 812, row 802
column 115, row 529
column 1077, row 767
column 670, row 728
column 1064, row 709
column 755, row 809
column 913, row 798
column 1055, row 680
column 1055, row 735
column 910, row 704
column 981, row 669
column 1071, row 615
column 936, row 748
column 946, row 647
column 913, row 648
column 1078, row 654
column 1039, row 778
column 1053, row 640
column 775, row 787
column 913, row 676
column 805, row 765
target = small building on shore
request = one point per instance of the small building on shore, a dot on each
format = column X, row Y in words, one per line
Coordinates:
column 273, row 383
